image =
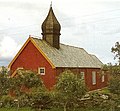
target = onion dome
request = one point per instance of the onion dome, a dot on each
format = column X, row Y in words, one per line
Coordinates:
column 51, row 24
column 51, row 30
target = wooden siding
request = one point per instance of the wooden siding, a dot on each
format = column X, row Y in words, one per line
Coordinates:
column 30, row 59
column 88, row 77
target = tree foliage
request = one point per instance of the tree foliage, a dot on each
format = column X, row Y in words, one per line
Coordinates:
column 114, row 78
column 18, row 88
column 28, row 79
column 114, row 85
column 69, row 88
column 24, row 80
column 116, row 51
column 4, row 84
column 40, row 98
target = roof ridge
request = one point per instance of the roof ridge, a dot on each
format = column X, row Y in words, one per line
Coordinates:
column 91, row 54
column 72, row 46
column 61, row 43
column 35, row 37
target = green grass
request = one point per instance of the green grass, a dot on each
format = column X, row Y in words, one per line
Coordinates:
column 81, row 109
column 15, row 109
column 54, row 109
column 105, row 90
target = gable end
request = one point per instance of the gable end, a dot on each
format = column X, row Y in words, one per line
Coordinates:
column 25, row 44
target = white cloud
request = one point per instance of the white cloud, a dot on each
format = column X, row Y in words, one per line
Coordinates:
column 8, row 47
column 91, row 24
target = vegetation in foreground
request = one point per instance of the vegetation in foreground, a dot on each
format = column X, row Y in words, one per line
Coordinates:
column 54, row 109
column 69, row 94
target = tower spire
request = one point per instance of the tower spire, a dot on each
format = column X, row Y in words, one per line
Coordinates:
column 51, row 29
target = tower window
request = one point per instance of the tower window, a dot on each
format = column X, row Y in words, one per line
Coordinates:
column 41, row 70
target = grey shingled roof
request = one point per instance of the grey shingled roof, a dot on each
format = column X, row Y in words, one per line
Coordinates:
column 68, row 56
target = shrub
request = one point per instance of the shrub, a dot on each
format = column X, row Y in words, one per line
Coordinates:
column 7, row 101
column 69, row 89
column 40, row 99
column 114, row 85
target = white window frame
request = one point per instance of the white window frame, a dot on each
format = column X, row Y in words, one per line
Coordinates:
column 93, row 77
column 41, row 68
column 103, row 78
column 82, row 74
column 19, row 68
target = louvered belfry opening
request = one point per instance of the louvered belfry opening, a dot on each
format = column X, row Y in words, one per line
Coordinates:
column 51, row 29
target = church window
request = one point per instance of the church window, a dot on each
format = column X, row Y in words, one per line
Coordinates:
column 103, row 78
column 41, row 70
column 93, row 77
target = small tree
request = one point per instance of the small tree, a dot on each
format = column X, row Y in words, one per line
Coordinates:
column 116, row 51
column 29, row 79
column 4, row 84
column 3, row 70
column 114, row 85
column 22, row 84
column 40, row 98
column 69, row 88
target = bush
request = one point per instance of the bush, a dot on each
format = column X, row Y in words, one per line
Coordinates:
column 28, row 79
column 7, row 101
column 23, row 101
column 69, row 89
column 40, row 99
column 4, row 84
column 114, row 85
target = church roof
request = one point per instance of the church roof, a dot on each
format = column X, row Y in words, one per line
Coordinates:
column 68, row 56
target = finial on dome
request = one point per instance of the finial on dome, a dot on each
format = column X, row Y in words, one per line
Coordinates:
column 51, row 4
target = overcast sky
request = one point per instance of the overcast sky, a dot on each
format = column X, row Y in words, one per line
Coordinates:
column 90, row 24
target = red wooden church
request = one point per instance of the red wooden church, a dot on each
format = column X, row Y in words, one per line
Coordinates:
column 48, row 57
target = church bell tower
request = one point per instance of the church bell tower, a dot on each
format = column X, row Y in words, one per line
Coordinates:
column 51, row 29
